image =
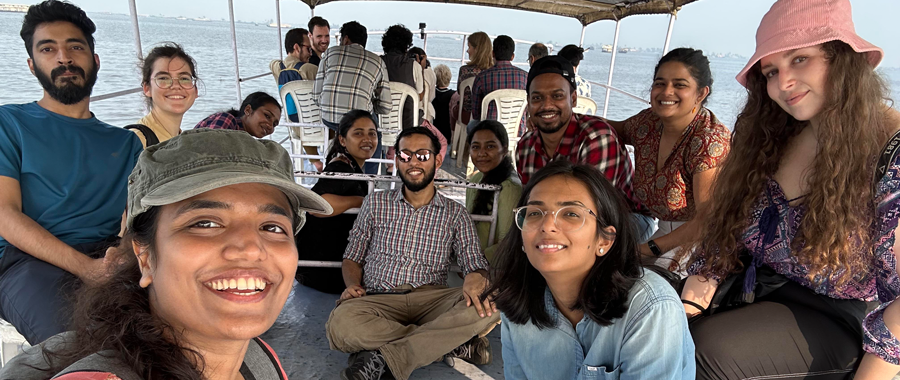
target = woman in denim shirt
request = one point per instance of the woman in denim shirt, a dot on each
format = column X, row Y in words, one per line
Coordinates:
column 577, row 304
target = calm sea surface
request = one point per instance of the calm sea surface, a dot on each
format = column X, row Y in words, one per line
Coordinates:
column 210, row 45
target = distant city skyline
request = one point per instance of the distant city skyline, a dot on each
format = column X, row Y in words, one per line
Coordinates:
column 719, row 26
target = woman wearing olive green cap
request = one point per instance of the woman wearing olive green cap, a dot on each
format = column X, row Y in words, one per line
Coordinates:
column 208, row 261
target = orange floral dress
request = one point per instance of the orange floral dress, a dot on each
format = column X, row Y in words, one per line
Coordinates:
column 668, row 193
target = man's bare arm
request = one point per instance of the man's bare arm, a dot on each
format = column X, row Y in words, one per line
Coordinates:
column 27, row 235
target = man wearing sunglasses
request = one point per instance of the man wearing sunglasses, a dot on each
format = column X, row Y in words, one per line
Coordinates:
column 63, row 176
column 401, row 243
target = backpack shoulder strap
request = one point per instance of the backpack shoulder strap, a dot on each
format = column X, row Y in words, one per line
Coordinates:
column 148, row 133
column 104, row 361
column 262, row 362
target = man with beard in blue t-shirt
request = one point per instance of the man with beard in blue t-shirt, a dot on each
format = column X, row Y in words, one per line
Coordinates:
column 63, row 177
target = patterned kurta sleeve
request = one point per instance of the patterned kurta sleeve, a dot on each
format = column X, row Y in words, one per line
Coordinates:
column 709, row 146
column 878, row 339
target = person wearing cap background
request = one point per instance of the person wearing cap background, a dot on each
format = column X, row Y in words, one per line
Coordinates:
column 562, row 134
column 575, row 54
column 802, row 198
column 206, row 268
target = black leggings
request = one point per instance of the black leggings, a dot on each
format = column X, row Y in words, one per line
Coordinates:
column 792, row 333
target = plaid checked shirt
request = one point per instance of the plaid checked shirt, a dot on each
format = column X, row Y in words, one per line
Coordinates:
column 504, row 75
column 351, row 77
column 221, row 120
column 588, row 140
column 397, row 244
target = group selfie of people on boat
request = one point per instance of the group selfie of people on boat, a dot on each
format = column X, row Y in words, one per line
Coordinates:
column 766, row 251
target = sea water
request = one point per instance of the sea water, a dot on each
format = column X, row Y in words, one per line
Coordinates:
column 209, row 43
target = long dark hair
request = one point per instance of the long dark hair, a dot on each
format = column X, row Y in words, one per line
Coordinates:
column 116, row 316
column 254, row 100
column 343, row 128
column 484, row 198
column 603, row 296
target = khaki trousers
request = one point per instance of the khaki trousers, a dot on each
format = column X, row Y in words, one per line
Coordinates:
column 410, row 330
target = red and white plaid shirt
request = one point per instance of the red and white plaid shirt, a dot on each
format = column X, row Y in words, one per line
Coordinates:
column 397, row 244
column 588, row 140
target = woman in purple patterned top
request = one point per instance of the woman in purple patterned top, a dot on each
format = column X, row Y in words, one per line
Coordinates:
column 258, row 115
column 799, row 201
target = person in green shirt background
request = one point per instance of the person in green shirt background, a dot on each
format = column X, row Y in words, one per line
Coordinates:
column 488, row 146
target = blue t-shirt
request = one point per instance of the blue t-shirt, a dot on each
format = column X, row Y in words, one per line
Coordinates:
column 73, row 173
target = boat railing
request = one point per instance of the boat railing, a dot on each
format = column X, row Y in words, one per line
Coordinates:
column 372, row 179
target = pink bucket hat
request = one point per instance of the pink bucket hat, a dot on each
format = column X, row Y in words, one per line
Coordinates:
column 795, row 24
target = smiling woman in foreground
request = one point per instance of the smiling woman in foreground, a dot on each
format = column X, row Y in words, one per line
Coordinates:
column 204, row 270
column 576, row 304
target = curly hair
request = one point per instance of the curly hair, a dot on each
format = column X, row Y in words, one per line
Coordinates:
column 116, row 316
column 396, row 39
column 834, row 237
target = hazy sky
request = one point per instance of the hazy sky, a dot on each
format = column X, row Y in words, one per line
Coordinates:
column 712, row 25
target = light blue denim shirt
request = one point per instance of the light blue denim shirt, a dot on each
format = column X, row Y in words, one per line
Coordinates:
column 651, row 341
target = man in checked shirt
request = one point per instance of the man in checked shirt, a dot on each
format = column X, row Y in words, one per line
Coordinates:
column 401, row 243
column 560, row 134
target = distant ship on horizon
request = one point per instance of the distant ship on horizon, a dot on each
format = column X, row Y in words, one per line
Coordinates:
column 14, row 8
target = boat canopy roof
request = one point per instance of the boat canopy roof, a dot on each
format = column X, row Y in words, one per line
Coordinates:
column 585, row 11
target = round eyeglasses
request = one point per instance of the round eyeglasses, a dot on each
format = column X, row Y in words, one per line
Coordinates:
column 567, row 218
column 166, row 82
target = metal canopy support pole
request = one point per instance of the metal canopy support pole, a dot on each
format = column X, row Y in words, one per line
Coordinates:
column 278, row 20
column 581, row 42
column 612, row 64
column 137, row 29
column 462, row 58
column 237, row 70
column 669, row 33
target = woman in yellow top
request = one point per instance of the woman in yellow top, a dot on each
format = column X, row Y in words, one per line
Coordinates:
column 488, row 146
column 169, row 79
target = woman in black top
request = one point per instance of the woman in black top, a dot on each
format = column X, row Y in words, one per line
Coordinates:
column 441, row 101
column 324, row 237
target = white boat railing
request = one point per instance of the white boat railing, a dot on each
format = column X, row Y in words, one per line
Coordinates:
column 372, row 179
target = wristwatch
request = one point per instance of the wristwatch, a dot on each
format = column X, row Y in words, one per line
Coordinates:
column 654, row 248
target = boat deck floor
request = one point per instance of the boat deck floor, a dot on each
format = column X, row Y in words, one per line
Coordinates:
column 298, row 337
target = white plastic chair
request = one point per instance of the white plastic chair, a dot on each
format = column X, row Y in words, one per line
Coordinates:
column 585, row 106
column 510, row 108
column 392, row 123
column 458, row 145
column 313, row 132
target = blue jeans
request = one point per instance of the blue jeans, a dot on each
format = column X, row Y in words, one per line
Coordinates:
column 369, row 167
column 645, row 226
column 34, row 294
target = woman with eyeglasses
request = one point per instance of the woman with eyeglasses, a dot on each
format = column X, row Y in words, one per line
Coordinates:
column 169, row 80
column 575, row 301
column 258, row 116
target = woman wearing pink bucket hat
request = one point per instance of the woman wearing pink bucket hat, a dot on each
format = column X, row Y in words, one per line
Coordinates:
column 800, row 230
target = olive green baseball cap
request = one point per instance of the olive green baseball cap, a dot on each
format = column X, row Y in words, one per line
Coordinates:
column 201, row 160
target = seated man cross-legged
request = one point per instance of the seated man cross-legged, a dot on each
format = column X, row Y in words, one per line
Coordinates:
column 401, row 243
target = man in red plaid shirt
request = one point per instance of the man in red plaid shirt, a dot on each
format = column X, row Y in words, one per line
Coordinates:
column 582, row 139
column 504, row 75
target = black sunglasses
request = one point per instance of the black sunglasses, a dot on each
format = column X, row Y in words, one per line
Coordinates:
column 423, row 155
